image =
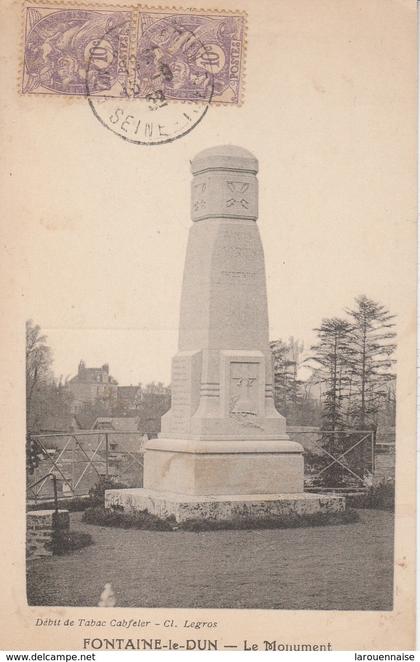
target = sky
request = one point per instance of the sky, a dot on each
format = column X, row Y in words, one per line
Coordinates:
column 104, row 224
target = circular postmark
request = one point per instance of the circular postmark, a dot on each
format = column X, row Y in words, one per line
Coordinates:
column 155, row 88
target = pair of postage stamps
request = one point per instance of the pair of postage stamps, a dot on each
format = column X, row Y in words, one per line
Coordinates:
column 154, row 54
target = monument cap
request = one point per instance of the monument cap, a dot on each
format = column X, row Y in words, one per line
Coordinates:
column 224, row 157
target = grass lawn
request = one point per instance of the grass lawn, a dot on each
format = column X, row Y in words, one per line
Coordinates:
column 346, row 567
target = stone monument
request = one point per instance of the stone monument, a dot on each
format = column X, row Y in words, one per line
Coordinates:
column 223, row 451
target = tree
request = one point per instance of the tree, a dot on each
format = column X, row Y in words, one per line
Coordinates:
column 288, row 395
column 333, row 356
column 155, row 401
column 372, row 349
column 38, row 363
column 292, row 395
column 154, row 388
column 282, row 375
column 354, row 359
column 309, row 406
column 387, row 413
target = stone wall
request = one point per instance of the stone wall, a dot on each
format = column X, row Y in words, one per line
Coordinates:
column 40, row 531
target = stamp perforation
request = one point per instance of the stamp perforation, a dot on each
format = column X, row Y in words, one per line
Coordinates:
column 136, row 10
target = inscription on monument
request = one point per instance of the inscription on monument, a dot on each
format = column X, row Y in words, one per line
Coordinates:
column 239, row 275
column 181, row 394
column 240, row 253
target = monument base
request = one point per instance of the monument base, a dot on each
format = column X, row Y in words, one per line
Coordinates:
column 222, row 507
column 203, row 467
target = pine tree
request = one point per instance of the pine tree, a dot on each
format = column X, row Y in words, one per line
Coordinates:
column 333, row 357
column 333, row 354
column 372, row 361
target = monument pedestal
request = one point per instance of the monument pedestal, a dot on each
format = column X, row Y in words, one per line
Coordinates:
column 197, row 467
column 187, row 479
column 223, row 506
column 223, row 451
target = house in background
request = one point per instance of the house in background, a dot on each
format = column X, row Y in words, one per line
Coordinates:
column 91, row 385
column 97, row 399
column 133, row 437
column 60, row 423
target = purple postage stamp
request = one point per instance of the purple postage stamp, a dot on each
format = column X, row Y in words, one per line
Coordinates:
column 135, row 51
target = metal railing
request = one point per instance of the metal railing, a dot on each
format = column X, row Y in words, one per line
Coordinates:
column 348, row 453
column 78, row 459
column 42, row 480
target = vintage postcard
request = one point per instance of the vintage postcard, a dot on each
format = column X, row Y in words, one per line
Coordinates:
column 208, row 329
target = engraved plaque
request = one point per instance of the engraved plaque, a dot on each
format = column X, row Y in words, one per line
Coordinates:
column 185, row 388
column 181, row 393
column 244, row 391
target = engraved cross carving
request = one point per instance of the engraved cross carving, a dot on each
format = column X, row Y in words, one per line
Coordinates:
column 238, row 189
column 244, row 384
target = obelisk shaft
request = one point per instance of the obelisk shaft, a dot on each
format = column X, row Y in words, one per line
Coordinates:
column 224, row 302
column 223, row 331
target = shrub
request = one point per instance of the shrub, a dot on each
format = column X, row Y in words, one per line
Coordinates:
column 382, row 495
column 280, row 522
column 64, row 542
column 97, row 493
column 144, row 520
column 115, row 516
column 314, row 461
